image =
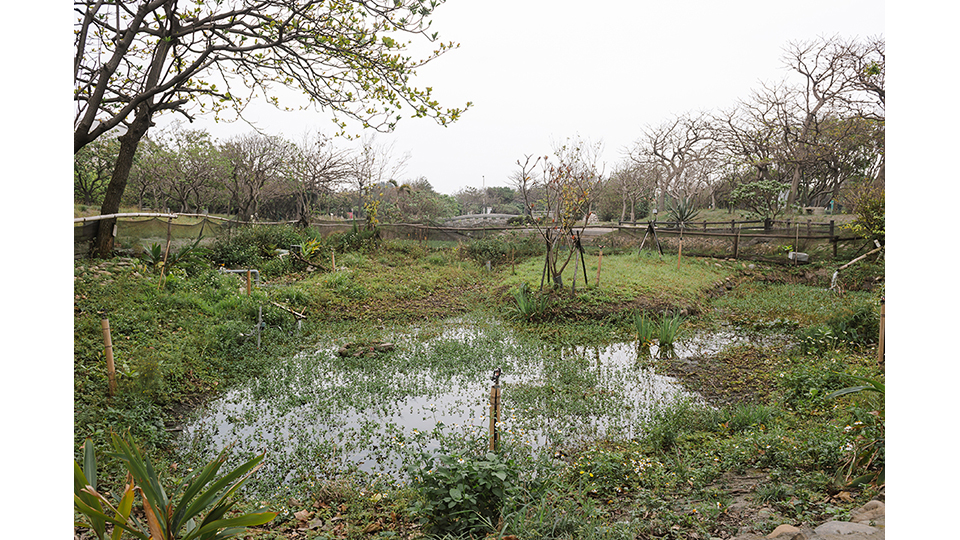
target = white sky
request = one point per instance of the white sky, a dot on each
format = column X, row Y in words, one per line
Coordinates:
column 539, row 72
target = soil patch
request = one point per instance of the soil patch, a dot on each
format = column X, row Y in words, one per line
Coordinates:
column 739, row 374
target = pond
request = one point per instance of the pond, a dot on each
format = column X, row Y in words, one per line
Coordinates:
column 320, row 415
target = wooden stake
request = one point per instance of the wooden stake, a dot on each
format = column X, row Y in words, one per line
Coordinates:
column 494, row 409
column 248, row 282
column 111, row 369
column 333, row 257
column 796, row 246
column 599, row 264
column 494, row 415
column 680, row 248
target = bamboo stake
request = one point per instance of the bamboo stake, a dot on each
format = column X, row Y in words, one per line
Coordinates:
column 680, row 248
column 111, row 369
column 290, row 311
column 599, row 264
column 333, row 257
column 860, row 258
column 166, row 252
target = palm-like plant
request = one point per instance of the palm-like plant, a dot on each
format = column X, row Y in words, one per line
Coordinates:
column 204, row 497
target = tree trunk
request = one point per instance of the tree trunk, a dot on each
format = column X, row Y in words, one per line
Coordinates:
column 118, row 181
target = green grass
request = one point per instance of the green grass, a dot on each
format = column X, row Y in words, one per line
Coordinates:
column 628, row 276
column 789, row 305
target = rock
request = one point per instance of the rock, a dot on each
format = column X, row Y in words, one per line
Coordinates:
column 872, row 513
column 787, row 531
column 844, row 528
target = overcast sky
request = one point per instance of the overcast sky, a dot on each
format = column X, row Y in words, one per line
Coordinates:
column 539, row 72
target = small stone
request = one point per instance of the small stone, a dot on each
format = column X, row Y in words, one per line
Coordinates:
column 871, row 512
column 784, row 530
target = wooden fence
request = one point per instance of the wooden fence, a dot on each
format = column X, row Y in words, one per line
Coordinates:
column 759, row 240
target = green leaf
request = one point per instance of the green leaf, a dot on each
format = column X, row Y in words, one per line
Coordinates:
column 89, row 463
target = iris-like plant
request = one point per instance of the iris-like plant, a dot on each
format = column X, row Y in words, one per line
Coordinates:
column 864, row 460
column 204, row 497
column 156, row 255
column 646, row 329
column 667, row 334
column 529, row 305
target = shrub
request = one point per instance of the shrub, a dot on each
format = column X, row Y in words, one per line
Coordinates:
column 808, row 387
column 502, row 249
column 250, row 246
column 868, row 205
column 462, row 495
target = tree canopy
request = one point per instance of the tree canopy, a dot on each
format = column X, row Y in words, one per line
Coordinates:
column 344, row 55
column 135, row 59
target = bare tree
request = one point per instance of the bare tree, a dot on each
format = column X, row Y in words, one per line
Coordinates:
column 91, row 170
column 318, row 168
column 827, row 78
column 373, row 165
column 257, row 161
column 676, row 146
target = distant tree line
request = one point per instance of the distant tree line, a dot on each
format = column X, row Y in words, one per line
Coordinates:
column 816, row 138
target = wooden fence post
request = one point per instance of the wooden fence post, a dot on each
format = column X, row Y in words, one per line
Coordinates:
column 111, row 369
column 680, row 248
column 833, row 239
column 736, row 244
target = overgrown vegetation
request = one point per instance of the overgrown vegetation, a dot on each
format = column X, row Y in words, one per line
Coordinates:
column 790, row 415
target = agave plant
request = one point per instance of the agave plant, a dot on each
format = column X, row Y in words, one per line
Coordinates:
column 683, row 213
column 195, row 513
